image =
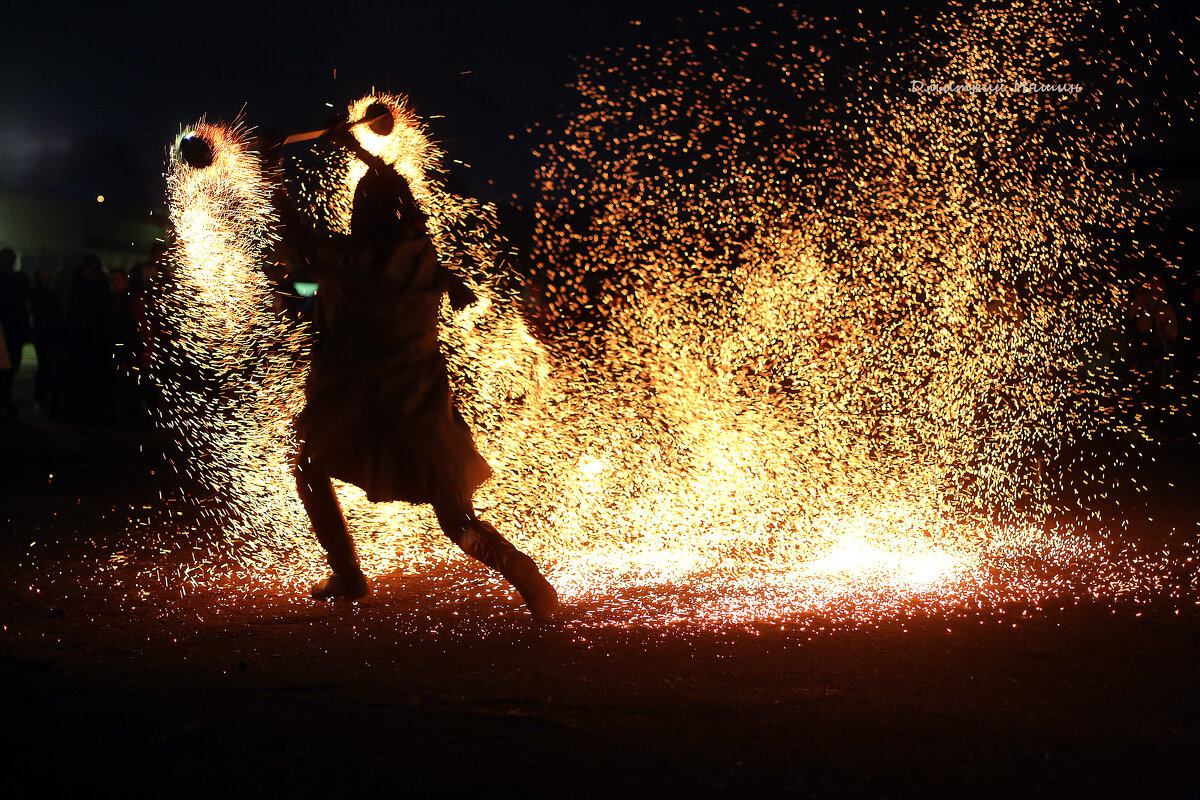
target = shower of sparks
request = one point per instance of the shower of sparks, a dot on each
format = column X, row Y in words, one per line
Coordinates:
column 794, row 356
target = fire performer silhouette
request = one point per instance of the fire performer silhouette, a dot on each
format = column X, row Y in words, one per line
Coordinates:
column 378, row 409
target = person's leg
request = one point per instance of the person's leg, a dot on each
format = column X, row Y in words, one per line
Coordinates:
column 8, row 376
column 41, row 378
column 320, row 501
column 6, row 387
column 484, row 543
column 16, row 350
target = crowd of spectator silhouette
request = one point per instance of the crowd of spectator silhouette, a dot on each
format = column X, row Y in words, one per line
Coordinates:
column 93, row 335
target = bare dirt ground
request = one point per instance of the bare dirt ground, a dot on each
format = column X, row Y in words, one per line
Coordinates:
column 424, row 692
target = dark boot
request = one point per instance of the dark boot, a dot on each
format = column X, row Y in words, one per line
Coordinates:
column 351, row 587
column 483, row 542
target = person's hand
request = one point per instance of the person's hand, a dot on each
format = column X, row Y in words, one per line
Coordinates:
column 339, row 132
column 342, row 137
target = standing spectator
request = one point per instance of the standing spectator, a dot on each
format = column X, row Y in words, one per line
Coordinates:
column 46, row 304
column 127, row 344
column 89, row 341
column 14, row 318
column 5, row 364
column 143, row 288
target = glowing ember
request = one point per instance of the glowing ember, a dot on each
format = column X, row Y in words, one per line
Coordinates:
column 799, row 357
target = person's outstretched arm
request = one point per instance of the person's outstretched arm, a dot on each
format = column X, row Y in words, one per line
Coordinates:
column 461, row 295
column 410, row 212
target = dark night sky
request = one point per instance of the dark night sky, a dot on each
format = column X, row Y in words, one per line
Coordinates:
column 94, row 93
column 81, row 78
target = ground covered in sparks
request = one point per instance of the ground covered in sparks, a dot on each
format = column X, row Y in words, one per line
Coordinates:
column 439, row 686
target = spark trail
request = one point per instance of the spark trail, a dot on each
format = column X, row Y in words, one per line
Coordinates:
column 796, row 355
